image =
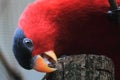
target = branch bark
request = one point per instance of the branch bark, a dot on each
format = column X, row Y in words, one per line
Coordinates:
column 113, row 4
column 83, row 67
column 114, row 11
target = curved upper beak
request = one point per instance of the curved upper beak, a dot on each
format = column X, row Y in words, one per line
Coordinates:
column 45, row 62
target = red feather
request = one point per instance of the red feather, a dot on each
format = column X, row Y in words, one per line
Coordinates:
column 72, row 26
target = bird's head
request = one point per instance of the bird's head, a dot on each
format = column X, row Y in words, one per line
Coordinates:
column 30, row 56
column 33, row 42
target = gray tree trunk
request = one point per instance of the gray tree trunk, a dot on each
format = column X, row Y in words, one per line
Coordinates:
column 83, row 67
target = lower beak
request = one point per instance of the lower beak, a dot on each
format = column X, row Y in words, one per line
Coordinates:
column 45, row 62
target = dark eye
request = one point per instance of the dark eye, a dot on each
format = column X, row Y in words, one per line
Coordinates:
column 28, row 43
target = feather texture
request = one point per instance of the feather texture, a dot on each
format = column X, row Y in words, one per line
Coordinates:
column 71, row 26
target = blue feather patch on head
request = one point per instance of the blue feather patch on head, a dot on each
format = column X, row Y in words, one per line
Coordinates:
column 21, row 52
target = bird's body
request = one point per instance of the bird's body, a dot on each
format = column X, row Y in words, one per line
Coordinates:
column 72, row 27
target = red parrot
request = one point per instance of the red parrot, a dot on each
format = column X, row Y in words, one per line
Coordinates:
column 48, row 29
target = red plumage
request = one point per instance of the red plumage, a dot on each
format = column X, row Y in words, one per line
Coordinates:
column 72, row 27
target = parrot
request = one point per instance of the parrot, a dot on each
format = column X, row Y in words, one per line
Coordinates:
column 48, row 29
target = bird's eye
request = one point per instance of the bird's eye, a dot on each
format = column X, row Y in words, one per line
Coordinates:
column 28, row 43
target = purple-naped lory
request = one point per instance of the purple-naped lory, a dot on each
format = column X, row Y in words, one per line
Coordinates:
column 48, row 29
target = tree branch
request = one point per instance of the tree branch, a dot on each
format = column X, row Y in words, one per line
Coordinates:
column 114, row 12
column 83, row 67
column 113, row 4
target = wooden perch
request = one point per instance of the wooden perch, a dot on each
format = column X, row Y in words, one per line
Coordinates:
column 113, row 4
column 83, row 67
column 114, row 12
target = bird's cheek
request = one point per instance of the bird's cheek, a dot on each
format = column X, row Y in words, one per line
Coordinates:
column 45, row 62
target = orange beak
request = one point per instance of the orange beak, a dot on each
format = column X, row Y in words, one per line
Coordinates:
column 45, row 62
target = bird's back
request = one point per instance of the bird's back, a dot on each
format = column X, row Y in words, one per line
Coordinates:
column 84, row 25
